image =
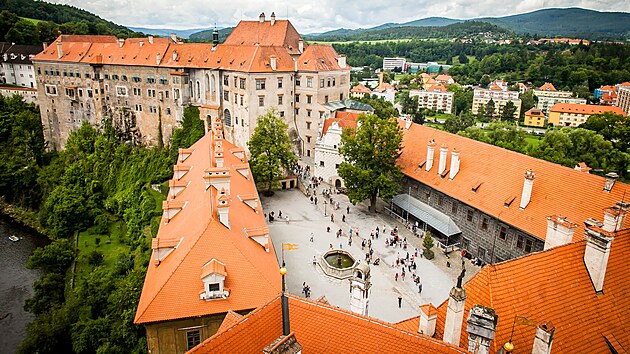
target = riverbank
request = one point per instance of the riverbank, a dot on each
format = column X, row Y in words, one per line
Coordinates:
column 24, row 217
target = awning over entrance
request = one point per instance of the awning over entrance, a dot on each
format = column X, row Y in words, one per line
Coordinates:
column 435, row 218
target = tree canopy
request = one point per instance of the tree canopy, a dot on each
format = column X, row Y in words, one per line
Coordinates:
column 369, row 169
column 270, row 149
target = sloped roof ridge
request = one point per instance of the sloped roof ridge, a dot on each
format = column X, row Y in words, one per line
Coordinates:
column 166, row 281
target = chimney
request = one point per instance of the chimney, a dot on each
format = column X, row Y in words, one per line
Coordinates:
column 454, row 164
column 527, row 188
column 428, row 318
column 121, row 42
column 273, row 18
column 158, row 59
column 596, row 256
column 215, row 38
column 295, row 65
column 341, row 61
column 284, row 345
column 150, row 38
column 273, row 62
column 615, row 217
column 174, row 37
column 611, row 178
column 261, row 18
column 443, row 154
column 454, row 315
column 174, row 55
column 59, row 49
column 223, row 208
column 44, row 44
column 301, row 45
column 543, row 338
column 430, row 153
column 481, row 326
column 141, row 43
column 218, row 158
column 559, row 231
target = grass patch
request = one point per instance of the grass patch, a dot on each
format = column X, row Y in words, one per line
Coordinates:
column 34, row 21
column 532, row 140
column 109, row 245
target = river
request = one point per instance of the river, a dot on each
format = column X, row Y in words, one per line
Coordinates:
column 16, row 282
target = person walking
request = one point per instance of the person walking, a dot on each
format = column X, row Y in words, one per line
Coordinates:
column 396, row 277
column 343, row 218
column 348, row 209
column 448, row 262
column 315, row 200
column 332, row 217
column 419, row 286
column 399, row 301
column 312, row 236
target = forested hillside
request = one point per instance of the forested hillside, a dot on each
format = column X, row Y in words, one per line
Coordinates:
column 34, row 22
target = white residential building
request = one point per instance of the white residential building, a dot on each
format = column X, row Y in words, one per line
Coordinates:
column 393, row 63
column 436, row 97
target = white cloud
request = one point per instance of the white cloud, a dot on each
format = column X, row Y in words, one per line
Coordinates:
column 313, row 16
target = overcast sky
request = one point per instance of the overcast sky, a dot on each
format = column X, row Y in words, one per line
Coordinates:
column 310, row 16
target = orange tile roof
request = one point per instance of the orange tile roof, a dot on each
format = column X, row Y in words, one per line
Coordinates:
column 535, row 112
column 547, row 87
column 443, row 77
column 344, row 119
column 554, row 285
column 249, row 48
column 171, row 289
column 624, row 84
column 501, row 172
column 608, row 88
column 585, row 108
column 384, row 86
column 320, row 328
column 280, row 34
column 360, row 89
column 230, row 320
column 435, row 88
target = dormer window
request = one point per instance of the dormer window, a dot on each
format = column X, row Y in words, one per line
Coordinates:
column 213, row 276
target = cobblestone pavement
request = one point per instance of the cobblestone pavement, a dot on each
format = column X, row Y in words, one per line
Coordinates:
column 306, row 218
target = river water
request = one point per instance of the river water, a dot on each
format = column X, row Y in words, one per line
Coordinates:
column 16, row 282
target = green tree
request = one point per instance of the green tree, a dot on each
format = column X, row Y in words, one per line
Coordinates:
column 489, row 110
column 613, row 127
column 507, row 115
column 455, row 124
column 381, row 107
column 271, row 150
column 55, row 257
column 463, row 59
column 192, row 129
column 528, row 101
column 370, row 154
column 507, row 135
column 49, row 293
column 462, row 98
column 427, row 243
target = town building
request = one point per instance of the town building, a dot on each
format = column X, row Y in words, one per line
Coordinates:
column 144, row 84
column 393, row 63
column 16, row 67
column 623, row 99
column 534, row 117
column 434, row 97
column 548, row 96
column 327, row 157
column 573, row 115
column 490, row 201
column 212, row 253
column 360, row 91
column 531, row 295
column 570, row 41
column 29, row 95
column 445, row 79
column 499, row 94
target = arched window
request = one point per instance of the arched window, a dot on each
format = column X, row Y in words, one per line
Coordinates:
column 227, row 118
column 213, row 88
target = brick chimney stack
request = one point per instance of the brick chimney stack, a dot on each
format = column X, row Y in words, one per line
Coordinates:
column 544, row 338
column 598, row 244
column 611, row 178
column 559, row 231
column 615, row 217
column 443, row 156
column 481, row 326
column 527, row 188
column 430, row 153
column 428, row 318
column 454, row 164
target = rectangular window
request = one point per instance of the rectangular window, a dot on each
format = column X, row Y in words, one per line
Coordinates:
column 309, row 99
column 308, row 153
column 121, row 91
column 105, row 75
column 242, row 83
column 308, row 112
column 261, row 101
column 321, row 164
column 297, row 81
column 150, row 79
column 193, row 338
column 163, row 80
column 279, row 82
column 226, row 80
column 297, row 111
column 308, row 125
column 484, row 224
column 440, row 200
column 235, row 97
column 166, row 93
column 136, row 78
column 168, row 111
column 321, row 83
column 341, row 97
column 89, row 93
column 465, row 243
column 260, row 84
column 325, row 99
column 469, row 215
column 297, row 98
column 226, row 96
column 241, row 100
column 51, row 90
column 519, row 241
column 309, row 82
column 281, row 114
column 235, row 82
column 308, row 139
column 482, row 253
column 279, row 100
column 528, row 245
column 70, row 92
column 503, row 233
column 454, row 208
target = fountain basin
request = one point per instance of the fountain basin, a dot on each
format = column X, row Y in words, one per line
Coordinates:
column 338, row 264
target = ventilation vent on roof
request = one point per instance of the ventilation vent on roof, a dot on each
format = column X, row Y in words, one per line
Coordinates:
column 421, row 164
column 509, row 201
column 231, row 61
column 258, row 234
column 476, row 186
column 445, row 173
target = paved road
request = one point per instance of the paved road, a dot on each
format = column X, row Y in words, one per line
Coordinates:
column 306, row 218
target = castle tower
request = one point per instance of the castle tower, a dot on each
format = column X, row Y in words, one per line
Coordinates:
column 359, row 289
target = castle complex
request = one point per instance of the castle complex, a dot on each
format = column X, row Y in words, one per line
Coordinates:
column 143, row 84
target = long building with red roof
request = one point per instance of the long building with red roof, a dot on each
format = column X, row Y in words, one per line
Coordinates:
column 143, row 84
column 212, row 253
column 491, row 201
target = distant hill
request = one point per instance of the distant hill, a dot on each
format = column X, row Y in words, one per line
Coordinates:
column 166, row 32
column 570, row 22
column 459, row 29
column 206, row 36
